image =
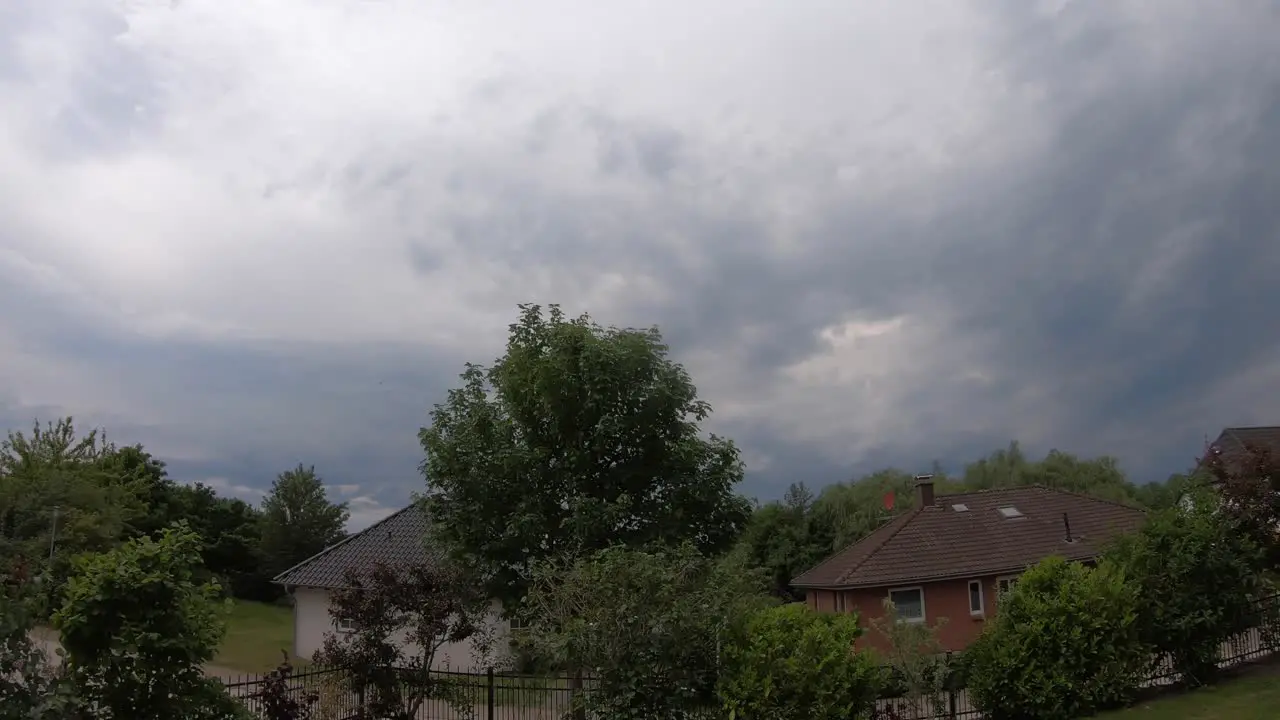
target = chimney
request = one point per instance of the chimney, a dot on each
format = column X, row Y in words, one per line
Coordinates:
column 924, row 490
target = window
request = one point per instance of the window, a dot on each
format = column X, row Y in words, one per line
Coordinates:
column 960, row 507
column 345, row 626
column 909, row 603
column 516, row 623
column 1005, row 584
column 1011, row 512
column 976, row 608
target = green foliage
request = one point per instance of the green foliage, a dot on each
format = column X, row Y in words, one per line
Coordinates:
column 52, row 468
column 578, row 438
column 1198, row 579
column 1248, row 484
column 137, row 627
column 31, row 687
column 298, row 520
column 793, row 663
column 1065, row 644
column 645, row 624
column 917, row 662
column 401, row 616
column 230, row 533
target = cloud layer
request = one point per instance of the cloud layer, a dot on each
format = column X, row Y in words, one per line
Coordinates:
column 254, row 234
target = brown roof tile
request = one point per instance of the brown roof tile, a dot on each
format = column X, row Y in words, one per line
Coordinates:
column 1232, row 441
column 940, row 542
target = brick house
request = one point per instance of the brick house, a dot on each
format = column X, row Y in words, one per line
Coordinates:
column 951, row 556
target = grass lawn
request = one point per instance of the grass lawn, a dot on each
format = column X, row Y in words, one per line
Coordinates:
column 1255, row 695
column 256, row 633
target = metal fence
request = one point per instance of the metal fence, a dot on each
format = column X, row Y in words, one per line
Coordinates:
column 508, row 696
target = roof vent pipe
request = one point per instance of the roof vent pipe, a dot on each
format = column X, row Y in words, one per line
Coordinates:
column 1066, row 523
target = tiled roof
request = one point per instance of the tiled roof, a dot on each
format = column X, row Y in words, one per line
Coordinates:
column 939, row 542
column 1233, row 440
column 400, row 538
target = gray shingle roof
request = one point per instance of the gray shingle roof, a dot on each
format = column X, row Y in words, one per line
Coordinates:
column 400, row 538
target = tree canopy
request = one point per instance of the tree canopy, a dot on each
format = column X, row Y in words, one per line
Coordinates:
column 578, row 438
column 298, row 520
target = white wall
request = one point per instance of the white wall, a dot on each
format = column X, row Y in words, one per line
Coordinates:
column 312, row 622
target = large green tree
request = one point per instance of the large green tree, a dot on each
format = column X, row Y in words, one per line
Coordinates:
column 298, row 519
column 578, row 438
column 56, row 484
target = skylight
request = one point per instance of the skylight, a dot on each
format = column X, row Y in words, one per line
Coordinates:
column 960, row 507
column 1010, row 512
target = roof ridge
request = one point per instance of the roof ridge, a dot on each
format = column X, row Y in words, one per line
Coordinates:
column 905, row 519
column 343, row 541
column 1042, row 486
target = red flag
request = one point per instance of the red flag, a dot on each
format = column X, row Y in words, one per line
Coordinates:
column 888, row 500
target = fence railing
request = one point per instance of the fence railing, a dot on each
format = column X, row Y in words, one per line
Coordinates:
column 495, row 695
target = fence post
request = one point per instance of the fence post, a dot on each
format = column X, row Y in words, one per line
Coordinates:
column 490, row 677
column 951, row 688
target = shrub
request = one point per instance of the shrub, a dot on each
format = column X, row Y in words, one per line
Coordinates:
column 1065, row 644
column 30, row 687
column 917, row 664
column 793, row 663
column 137, row 628
column 646, row 625
column 1198, row 580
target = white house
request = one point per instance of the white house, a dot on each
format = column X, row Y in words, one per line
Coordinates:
column 399, row 538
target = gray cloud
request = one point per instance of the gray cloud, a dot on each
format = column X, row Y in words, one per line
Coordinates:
column 1063, row 233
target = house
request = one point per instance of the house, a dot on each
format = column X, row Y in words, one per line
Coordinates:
column 398, row 538
column 1234, row 443
column 952, row 556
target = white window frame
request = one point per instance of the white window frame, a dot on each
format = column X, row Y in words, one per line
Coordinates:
column 917, row 588
column 1009, row 580
column 344, row 626
column 981, row 611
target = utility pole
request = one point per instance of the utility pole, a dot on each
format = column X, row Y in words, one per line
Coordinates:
column 53, row 534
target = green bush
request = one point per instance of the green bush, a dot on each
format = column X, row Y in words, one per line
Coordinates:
column 137, row 627
column 1198, row 579
column 1065, row 644
column 792, row 663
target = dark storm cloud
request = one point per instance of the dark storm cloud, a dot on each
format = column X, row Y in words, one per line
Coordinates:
column 1111, row 248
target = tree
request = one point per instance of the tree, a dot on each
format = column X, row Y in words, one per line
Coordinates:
column 1065, row 644
column 137, row 629
column 784, row 539
column 578, row 438
column 230, row 531
column 1199, row 582
column 646, row 623
column 794, row 663
column 401, row 616
column 1248, row 484
column 298, row 520
column 55, row 482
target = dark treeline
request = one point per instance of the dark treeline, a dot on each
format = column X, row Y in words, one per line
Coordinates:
column 64, row 493
column 100, row 494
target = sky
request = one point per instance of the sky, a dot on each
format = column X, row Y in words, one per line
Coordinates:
column 249, row 234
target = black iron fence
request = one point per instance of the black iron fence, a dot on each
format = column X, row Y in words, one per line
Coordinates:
column 507, row 696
